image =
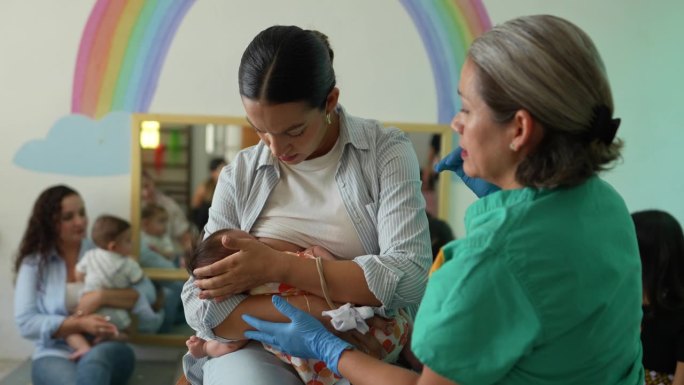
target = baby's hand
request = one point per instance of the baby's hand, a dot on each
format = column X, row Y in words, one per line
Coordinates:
column 319, row 251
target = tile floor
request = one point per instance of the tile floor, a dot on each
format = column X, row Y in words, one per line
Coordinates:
column 7, row 366
column 155, row 366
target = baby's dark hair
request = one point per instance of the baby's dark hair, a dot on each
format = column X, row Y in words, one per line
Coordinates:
column 206, row 252
column 150, row 210
column 661, row 246
column 107, row 228
column 214, row 163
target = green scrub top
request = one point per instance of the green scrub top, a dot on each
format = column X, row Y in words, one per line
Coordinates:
column 544, row 289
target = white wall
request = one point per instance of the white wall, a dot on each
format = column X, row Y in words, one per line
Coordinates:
column 641, row 45
column 383, row 73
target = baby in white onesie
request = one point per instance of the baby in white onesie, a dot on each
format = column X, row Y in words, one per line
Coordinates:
column 109, row 266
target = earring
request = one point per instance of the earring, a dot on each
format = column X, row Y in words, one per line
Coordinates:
column 328, row 119
column 513, row 147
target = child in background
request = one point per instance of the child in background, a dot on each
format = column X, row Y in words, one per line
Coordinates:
column 661, row 246
column 154, row 221
column 311, row 371
column 109, row 266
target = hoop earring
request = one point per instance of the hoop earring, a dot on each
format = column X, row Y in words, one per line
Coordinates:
column 328, row 119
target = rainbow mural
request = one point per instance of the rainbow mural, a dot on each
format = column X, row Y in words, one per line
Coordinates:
column 447, row 27
column 121, row 53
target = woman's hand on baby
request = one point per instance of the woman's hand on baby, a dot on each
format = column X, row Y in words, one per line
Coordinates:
column 255, row 264
column 98, row 326
column 304, row 336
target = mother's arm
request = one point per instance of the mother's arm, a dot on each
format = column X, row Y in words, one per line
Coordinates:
column 393, row 279
column 118, row 298
column 396, row 276
column 39, row 326
column 257, row 263
column 32, row 323
column 679, row 374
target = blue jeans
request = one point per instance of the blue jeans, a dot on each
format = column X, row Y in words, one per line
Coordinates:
column 107, row 363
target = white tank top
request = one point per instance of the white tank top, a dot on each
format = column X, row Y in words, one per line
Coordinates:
column 306, row 208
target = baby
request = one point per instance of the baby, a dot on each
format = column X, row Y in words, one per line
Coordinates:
column 310, row 370
column 153, row 223
column 108, row 266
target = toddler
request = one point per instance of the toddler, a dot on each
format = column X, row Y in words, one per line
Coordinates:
column 153, row 235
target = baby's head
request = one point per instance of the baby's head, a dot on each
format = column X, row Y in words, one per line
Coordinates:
column 113, row 234
column 211, row 249
column 154, row 219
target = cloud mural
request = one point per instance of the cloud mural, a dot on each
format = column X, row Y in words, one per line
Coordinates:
column 78, row 145
column 120, row 57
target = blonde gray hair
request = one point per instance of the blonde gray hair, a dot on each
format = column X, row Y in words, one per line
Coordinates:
column 550, row 68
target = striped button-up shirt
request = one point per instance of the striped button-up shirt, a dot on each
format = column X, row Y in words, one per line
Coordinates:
column 378, row 180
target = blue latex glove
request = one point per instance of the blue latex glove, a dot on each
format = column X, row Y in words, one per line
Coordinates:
column 304, row 337
column 454, row 162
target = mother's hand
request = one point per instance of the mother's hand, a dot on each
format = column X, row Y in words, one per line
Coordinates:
column 253, row 265
column 98, row 326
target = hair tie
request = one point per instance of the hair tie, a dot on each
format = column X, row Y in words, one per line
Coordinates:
column 602, row 126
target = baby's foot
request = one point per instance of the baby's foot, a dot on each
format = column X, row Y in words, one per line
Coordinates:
column 217, row 349
column 78, row 353
column 196, row 346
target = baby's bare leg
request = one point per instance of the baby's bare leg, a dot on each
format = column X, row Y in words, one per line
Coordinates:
column 80, row 345
column 196, row 346
column 200, row 348
column 216, row 349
